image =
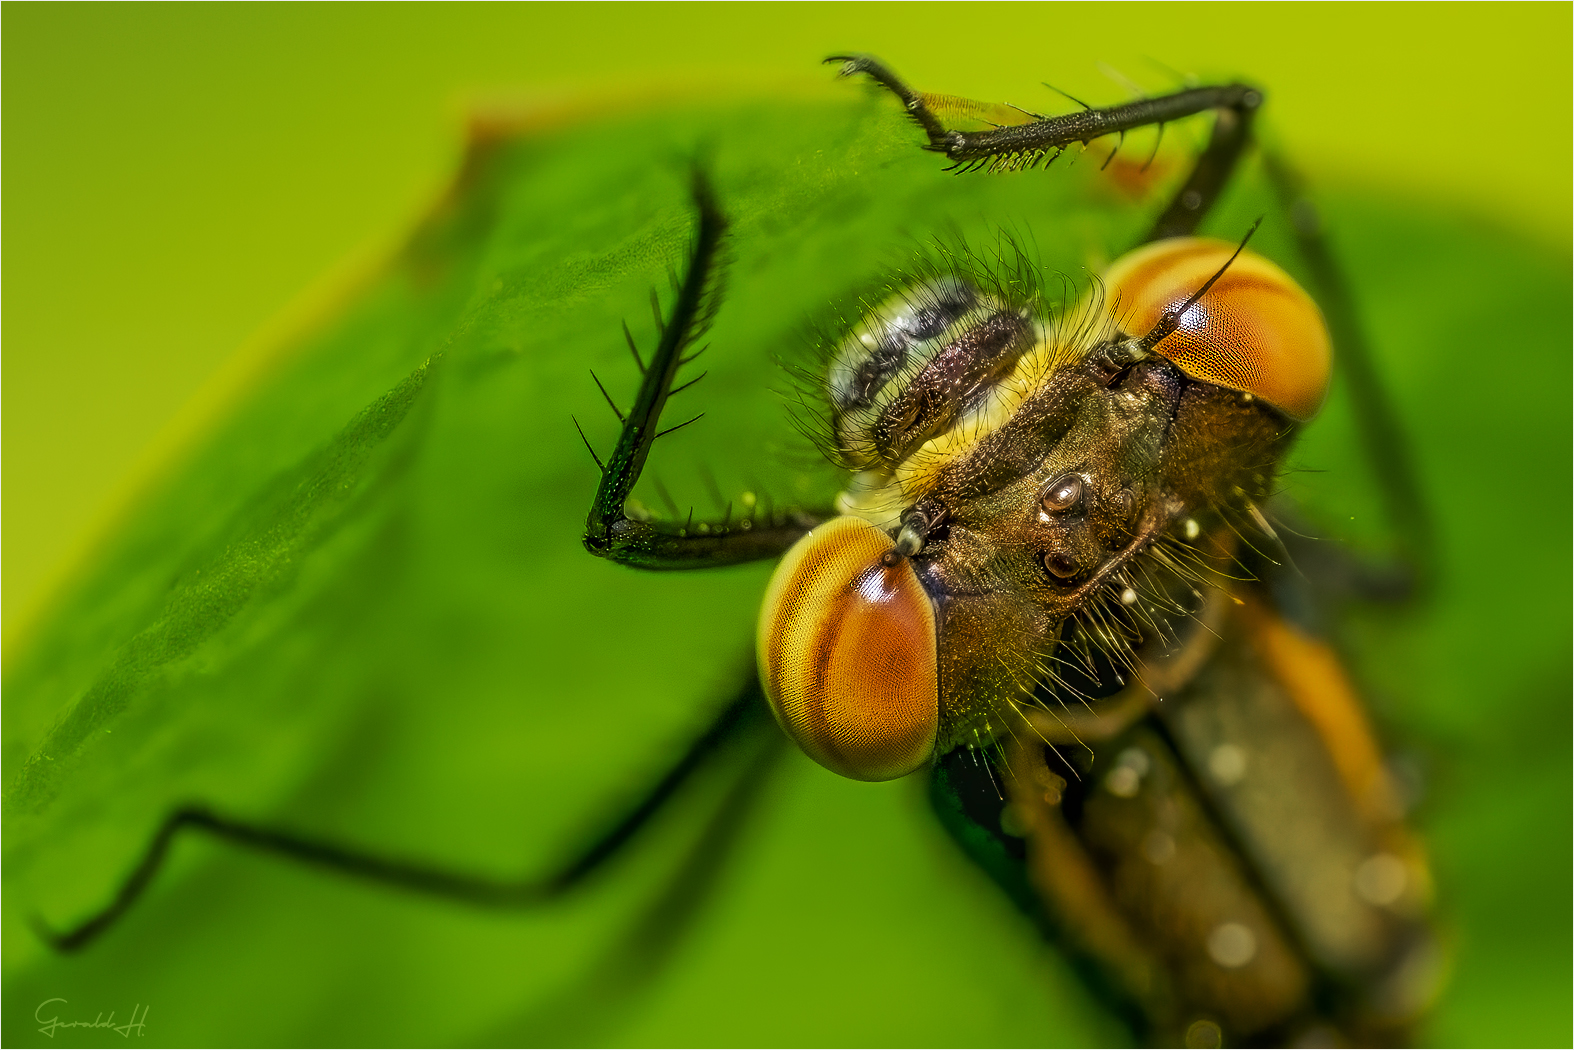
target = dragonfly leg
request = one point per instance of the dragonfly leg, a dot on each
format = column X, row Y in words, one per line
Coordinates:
column 592, row 1005
column 1039, row 140
column 609, row 531
column 912, row 101
column 744, row 716
column 1381, row 433
column 1211, row 172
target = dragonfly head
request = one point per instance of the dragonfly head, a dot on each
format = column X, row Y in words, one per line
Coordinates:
column 1022, row 483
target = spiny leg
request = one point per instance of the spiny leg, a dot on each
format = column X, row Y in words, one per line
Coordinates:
column 745, row 714
column 1025, row 144
column 609, row 531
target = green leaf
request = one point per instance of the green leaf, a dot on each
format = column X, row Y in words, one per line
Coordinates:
column 362, row 611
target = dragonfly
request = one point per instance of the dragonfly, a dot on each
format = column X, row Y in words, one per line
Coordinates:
column 339, row 551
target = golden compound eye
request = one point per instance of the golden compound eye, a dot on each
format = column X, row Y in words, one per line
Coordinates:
column 1255, row 331
column 1063, row 494
column 847, row 653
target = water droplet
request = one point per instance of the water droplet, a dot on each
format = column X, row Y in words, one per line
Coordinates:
column 1381, row 879
column 1158, row 847
column 1232, row 945
column 1135, row 759
column 1204, row 1035
column 1227, row 763
column 1123, row 782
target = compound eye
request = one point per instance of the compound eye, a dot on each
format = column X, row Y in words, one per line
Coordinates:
column 1064, row 493
column 847, row 653
column 1255, row 331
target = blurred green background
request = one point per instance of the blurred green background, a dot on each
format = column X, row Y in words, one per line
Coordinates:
column 179, row 179
column 182, row 176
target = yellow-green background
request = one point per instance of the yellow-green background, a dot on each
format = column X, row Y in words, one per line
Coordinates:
column 176, row 176
column 235, row 155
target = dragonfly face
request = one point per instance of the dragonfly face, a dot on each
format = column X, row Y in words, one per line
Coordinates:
column 1016, row 471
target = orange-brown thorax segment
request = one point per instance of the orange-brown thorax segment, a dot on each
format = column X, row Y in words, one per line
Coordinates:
column 1255, row 331
column 847, row 653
